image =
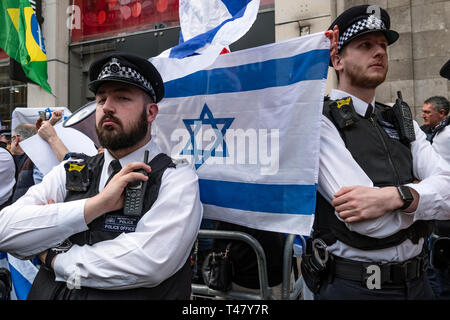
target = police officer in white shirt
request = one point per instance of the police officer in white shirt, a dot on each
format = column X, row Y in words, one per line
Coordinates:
column 380, row 181
column 101, row 245
column 439, row 273
column 7, row 177
column 439, row 107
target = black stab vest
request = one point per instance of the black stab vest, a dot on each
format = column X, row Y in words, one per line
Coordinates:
column 178, row 286
column 387, row 162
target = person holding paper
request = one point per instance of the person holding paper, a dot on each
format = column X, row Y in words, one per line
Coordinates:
column 49, row 134
column 27, row 173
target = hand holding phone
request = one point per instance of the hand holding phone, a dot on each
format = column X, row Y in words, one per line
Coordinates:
column 135, row 192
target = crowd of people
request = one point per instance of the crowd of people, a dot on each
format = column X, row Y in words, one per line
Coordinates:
column 383, row 199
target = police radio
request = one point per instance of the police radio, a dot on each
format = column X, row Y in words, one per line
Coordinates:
column 404, row 119
column 135, row 192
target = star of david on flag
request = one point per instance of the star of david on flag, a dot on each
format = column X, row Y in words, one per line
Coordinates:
column 194, row 127
column 250, row 126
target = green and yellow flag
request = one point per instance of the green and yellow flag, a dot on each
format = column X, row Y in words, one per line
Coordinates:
column 21, row 38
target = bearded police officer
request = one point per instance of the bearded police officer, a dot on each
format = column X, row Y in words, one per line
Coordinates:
column 379, row 179
column 105, row 241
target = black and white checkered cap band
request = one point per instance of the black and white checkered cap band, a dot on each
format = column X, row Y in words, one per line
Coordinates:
column 115, row 69
column 369, row 23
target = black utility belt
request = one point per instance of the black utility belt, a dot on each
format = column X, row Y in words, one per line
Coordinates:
column 388, row 273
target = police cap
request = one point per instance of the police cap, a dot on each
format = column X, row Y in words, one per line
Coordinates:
column 360, row 20
column 445, row 70
column 127, row 68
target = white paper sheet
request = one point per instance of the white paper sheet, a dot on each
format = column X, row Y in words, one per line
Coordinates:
column 42, row 154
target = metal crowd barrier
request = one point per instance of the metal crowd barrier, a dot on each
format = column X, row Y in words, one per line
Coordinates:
column 202, row 290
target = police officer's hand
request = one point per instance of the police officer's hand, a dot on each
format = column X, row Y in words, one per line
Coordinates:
column 112, row 196
column 358, row 203
column 333, row 36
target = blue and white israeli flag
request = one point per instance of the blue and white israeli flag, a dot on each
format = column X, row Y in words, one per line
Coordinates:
column 22, row 272
column 250, row 126
column 207, row 27
column 210, row 23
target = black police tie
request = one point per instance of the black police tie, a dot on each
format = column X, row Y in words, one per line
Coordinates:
column 368, row 111
column 115, row 165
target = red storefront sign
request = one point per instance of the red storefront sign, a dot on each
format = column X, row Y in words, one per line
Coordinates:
column 105, row 18
column 3, row 54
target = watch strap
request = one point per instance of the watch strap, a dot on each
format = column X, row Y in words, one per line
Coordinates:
column 406, row 196
column 49, row 258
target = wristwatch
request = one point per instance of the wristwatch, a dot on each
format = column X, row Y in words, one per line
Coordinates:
column 52, row 252
column 406, row 196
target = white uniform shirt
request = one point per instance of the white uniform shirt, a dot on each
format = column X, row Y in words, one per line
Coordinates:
column 338, row 169
column 157, row 249
column 7, row 175
column 441, row 143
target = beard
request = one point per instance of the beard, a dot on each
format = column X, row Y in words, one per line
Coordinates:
column 111, row 140
column 361, row 78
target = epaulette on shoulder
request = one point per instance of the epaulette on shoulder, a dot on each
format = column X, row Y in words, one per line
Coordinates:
column 382, row 105
column 75, row 155
column 180, row 162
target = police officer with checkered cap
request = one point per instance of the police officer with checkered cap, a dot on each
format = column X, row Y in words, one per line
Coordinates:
column 129, row 69
column 125, row 206
column 365, row 243
column 360, row 20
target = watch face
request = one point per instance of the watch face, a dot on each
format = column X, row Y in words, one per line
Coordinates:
column 407, row 195
column 62, row 247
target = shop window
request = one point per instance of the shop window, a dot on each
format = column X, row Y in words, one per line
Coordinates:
column 105, row 18
column 13, row 94
column 90, row 20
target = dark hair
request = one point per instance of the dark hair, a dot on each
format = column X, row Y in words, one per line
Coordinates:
column 439, row 103
column 147, row 98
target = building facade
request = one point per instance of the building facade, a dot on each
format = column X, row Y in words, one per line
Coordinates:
column 78, row 31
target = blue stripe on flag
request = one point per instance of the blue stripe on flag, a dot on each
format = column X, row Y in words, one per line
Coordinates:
column 311, row 65
column 234, row 6
column 272, row 198
column 21, row 285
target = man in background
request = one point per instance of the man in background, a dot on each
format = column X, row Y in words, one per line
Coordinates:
column 435, row 120
column 27, row 175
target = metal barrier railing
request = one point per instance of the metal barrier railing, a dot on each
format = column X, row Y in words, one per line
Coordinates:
column 265, row 293
column 286, row 275
column 265, row 290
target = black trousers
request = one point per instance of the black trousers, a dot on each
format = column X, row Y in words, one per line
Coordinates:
column 341, row 289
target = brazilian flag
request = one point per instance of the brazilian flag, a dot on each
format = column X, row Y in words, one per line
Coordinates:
column 21, row 38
